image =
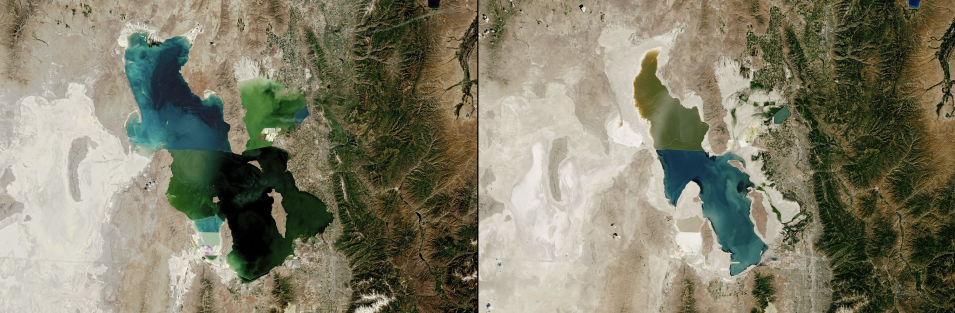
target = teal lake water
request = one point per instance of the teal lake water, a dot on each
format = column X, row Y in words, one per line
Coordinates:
column 723, row 189
column 781, row 115
column 209, row 224
column 171, row 116
column 300, row 116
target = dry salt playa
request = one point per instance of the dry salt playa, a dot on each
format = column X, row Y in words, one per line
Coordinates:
column 570, row 214
column 62, row 169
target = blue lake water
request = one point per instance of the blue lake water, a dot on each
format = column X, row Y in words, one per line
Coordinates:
column 723, row 189
column 300, row 116
column 915, row 3
column 209, row 224
column 171, row 116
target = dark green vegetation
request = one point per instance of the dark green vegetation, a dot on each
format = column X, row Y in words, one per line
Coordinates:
column 793, row 229
column 687, row 302
column 282, row 291
column 672, row 126
column 763, row 291
column 16, row 17
column 498, row 18
column 782, row 161
column 268, row 105
column 467, row 46
column 885, row 198
column 206, row 295
column 245, row 204
column 404, row 168
column 779, row 215
column 943, row 56
column 772, row 74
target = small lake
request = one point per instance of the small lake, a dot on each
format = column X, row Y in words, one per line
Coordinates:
column 300, row 116
column 781, row 115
